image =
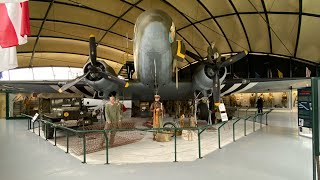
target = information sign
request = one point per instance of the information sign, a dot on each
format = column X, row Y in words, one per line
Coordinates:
column 305, row 107
column 223, row 112
column 35, row 117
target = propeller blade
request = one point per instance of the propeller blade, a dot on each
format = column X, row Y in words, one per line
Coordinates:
column 193, row 56
column 177, row 78
column 216, row 88
column 114, row 79
column 72, row 83
column 93, row 50
column 234, row 59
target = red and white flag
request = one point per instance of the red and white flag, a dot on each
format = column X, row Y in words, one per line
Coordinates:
column 14, row 29
column 308, row 72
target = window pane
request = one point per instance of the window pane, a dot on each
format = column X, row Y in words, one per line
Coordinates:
column 60, row 73
column 21, row 74
column 43, row 73
column 75, row 72
column 5, row 76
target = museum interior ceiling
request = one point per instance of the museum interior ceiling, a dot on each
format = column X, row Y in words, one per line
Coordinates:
column 60, row 29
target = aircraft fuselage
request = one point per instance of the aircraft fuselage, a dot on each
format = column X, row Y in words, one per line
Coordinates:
column 152, row 48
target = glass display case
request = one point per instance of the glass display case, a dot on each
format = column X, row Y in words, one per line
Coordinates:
column 22, row 103
column 270, row 99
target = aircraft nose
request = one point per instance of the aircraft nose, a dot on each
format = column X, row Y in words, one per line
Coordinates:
column 156, row 37
column 155, row 30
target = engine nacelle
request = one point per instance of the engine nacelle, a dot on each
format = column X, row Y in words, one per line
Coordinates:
column 203, row 78
column 98, row 82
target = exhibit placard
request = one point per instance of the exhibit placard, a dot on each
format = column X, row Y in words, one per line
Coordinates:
column 305, row 107
column 223, row 112
column 34, row 117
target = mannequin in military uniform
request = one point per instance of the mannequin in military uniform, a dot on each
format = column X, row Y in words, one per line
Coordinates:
column 252, row 100
column 177, row 109
column 191, row 113
column 157, row 110
column 233, row 100
column 113, row 116
column 284, row 100
column 270, row 100
column 295, row 99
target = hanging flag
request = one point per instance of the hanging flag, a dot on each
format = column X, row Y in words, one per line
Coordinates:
column 12, row 1
column 308, row 72
column 14, row 29
column 8, row 58
column 280, row 74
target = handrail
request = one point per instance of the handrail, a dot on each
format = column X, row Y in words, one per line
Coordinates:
column 83, row 133
column 219, row 132
column 200, row 131
column 29, row 120
column 56, row 126
column 199, row 143
column 254, row 120
column 238, row 111
column 247, row 111
column 267, row 115
column 233, row 127
column 175, row 145
column 261, row 114
column 245, row 125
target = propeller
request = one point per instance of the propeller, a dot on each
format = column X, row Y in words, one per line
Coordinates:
column 93, row 50
column 72, row 83
column 114, row 79
column 214, row 64
column 94, row 69
column 234, row 59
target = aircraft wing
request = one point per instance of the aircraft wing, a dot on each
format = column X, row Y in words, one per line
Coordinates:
column 263, row 85
column 45, row 87
column 137, row 91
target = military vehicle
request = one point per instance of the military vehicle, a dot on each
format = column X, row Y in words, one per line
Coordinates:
column 64, row 109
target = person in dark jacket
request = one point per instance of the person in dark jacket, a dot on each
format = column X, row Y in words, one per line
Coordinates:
column 260, row 105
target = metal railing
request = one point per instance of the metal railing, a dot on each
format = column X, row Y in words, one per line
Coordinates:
column 223, row 123
column 82, row 133
column 233, row 126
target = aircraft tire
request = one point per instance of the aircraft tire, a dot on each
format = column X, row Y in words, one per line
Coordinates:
column 204, row 112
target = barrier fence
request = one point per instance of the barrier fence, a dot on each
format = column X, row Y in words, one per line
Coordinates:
column 104, row 132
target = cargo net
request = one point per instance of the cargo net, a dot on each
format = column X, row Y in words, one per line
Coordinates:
column 95, row 141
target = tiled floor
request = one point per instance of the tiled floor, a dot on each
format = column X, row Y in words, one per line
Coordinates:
column 272, row 153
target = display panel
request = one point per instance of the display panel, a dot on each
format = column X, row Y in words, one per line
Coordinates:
column 22, row 103
column 270, row 99
column 305, row 107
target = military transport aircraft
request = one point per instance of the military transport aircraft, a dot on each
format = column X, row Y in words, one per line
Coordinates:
column 156, row 51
